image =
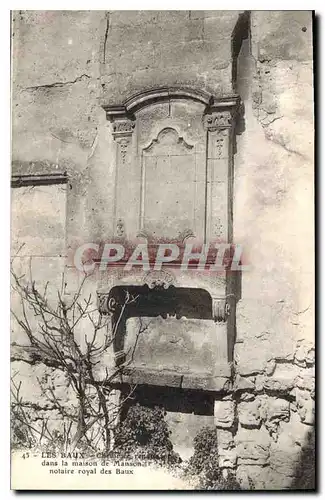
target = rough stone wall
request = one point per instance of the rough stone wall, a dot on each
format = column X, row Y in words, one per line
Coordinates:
column 65, row 65
column 273, row 198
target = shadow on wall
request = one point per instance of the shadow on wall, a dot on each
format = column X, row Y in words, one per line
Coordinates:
column 305, row 474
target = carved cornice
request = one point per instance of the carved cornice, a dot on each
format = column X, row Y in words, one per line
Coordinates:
column 142, row 99
column 115, row 112
column 38, row 179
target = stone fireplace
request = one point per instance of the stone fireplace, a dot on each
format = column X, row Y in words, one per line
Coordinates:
column 172, row 328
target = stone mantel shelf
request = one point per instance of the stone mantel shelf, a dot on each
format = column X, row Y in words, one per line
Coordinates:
column 216, row 382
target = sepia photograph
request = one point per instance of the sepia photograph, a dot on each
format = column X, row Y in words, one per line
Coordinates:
column 162, row 329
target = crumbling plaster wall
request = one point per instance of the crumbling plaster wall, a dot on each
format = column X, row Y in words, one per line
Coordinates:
column 67, row 63
column 145, row 49
column 56, row 123
column 273, row 214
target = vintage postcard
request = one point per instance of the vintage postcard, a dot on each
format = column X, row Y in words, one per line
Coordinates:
column 162, row 250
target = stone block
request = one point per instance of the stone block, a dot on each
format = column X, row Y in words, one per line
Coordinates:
column 225, row 439
column 243, row 384
column 306, row 379
column 278, row 409
column 247, row 396
column 252, row 477
column 283, row 378
column 259, row 382
column 249, row 414
column 252, row 454
column 270, row 366
column 248, row 359
column 224, row 413
column 305, row 406
column 227, row 458
column 253, row 447
column 305, row 353
column 294, row 430
column 284, row 460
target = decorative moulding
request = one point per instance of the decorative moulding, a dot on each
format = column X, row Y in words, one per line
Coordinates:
column 142, row 99
column 21, row 180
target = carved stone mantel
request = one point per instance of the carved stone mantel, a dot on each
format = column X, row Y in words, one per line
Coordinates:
column 179, row 140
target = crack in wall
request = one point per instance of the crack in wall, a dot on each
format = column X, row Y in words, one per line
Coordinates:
column 106, row 35
column 274, row 140
column 59, row 84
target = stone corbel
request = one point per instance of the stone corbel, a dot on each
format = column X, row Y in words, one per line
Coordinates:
column 221, row 308
column 122, row 128
column 105, row 310
column 123, row 122
column 106, row 304
column 110, row 307
column 221, row 115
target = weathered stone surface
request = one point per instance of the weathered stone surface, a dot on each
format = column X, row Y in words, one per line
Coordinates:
column 277, row 102
column 283, row 378
column 252, row 477
column 305, row 353
column 224, row 413
column 225, row 439
column 247, row 396
column 253, row 447
column 250, row 366
column 284, row 457
column 310, row 357
column 294, row 430
column 227, row 458
column 226, row 449
column 259, row 382
column 306, row 379
column 269, row 367
column 243, row 384
column 249, row 356
column 147, row 57
column 306, row 407
column 271, row 27
column 249, row 414
column 278, row 408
